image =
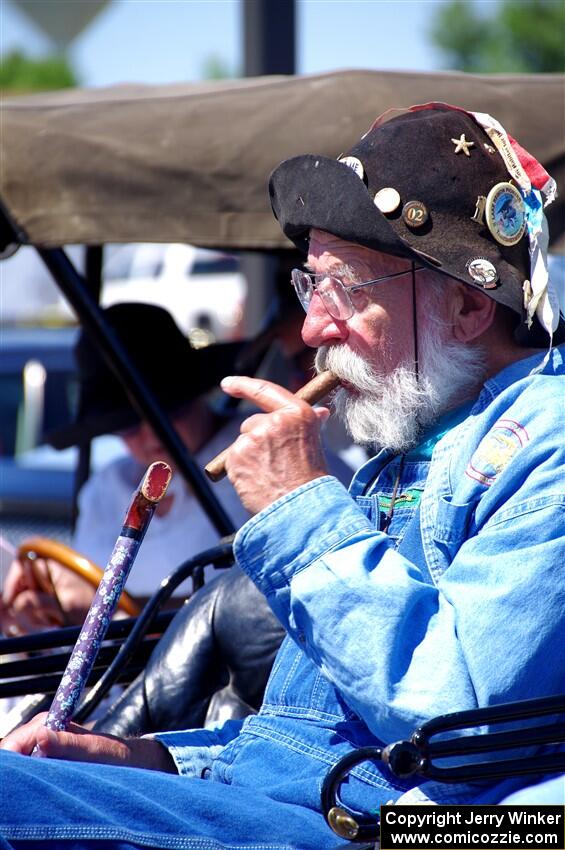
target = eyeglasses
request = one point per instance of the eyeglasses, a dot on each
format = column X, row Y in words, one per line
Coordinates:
column 336, row 297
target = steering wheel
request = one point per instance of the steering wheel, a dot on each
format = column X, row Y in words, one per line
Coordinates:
column 44, row 547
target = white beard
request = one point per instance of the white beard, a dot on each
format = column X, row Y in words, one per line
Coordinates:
column 391, row 411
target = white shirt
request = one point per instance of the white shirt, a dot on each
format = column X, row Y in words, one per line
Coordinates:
column 170, row 539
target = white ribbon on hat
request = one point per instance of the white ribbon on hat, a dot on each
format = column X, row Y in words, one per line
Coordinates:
column 543, row 300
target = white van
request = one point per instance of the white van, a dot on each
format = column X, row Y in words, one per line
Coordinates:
column 204, row 290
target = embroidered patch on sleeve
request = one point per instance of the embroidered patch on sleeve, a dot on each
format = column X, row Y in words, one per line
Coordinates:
column 496, row 450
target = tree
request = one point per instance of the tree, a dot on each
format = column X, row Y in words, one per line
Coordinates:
column 516, row 36
column 216, row 68
column 21, row 75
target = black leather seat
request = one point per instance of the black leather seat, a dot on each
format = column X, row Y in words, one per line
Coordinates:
column 212, row 663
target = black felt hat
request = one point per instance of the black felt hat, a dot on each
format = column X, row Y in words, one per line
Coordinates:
column 176, row 372
column 412, row 187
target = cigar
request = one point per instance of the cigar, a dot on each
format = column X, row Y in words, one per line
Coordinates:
column 151, row 490
column 312, row 392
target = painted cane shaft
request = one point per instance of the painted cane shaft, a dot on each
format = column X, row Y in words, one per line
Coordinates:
column 142, row 507
column 312, row 392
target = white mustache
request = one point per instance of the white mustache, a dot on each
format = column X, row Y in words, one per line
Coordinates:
column 349, row 367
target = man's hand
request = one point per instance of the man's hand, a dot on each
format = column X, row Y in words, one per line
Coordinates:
column 278, row 450
column 78, row 744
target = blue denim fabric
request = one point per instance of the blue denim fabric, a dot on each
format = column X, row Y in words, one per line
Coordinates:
column 552, row 791
column 76, row 805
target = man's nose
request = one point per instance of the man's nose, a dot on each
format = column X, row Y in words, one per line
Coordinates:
column 320, row 328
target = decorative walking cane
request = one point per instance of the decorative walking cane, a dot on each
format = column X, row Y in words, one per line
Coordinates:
column 151, row 490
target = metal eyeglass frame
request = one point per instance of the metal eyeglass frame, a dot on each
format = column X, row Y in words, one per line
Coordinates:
column 336, row 297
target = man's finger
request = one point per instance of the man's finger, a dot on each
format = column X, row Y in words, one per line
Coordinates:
column 24, row 738
column 17, row 579
column 264, row 394
column 81, row 746
column 262, row 420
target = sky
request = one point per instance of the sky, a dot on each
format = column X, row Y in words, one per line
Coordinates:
column 158, row 41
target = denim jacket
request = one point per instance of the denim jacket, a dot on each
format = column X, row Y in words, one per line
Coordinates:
column 462, row 607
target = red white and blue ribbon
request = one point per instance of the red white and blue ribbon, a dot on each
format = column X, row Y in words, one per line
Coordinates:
column 538, row 190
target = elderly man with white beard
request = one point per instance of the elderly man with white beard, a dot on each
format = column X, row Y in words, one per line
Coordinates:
column 427, row 313
column 435, row 584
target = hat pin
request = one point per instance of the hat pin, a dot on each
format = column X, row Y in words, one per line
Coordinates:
column 461, row 144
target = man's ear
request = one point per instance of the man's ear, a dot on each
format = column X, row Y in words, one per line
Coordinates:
column 471, row 312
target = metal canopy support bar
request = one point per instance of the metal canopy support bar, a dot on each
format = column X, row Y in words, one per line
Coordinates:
column 94, row 255
column 268, row 48
column 75, row 290
column 269, row 37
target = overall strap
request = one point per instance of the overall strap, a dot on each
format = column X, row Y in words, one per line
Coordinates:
column 411, row 546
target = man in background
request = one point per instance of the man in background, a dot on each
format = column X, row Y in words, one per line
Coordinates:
column 183, row 379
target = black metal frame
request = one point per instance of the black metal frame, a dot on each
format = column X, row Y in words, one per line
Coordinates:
column 416, row 757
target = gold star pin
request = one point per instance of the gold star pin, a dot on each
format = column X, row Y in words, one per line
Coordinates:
column 461, row 144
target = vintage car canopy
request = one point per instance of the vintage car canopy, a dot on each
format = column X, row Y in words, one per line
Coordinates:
column 190, row 162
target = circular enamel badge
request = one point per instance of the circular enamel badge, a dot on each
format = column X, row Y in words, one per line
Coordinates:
column 482, row 272
column 387, row 200
column 505, row 213
column 354, row 164
column 414, row 214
